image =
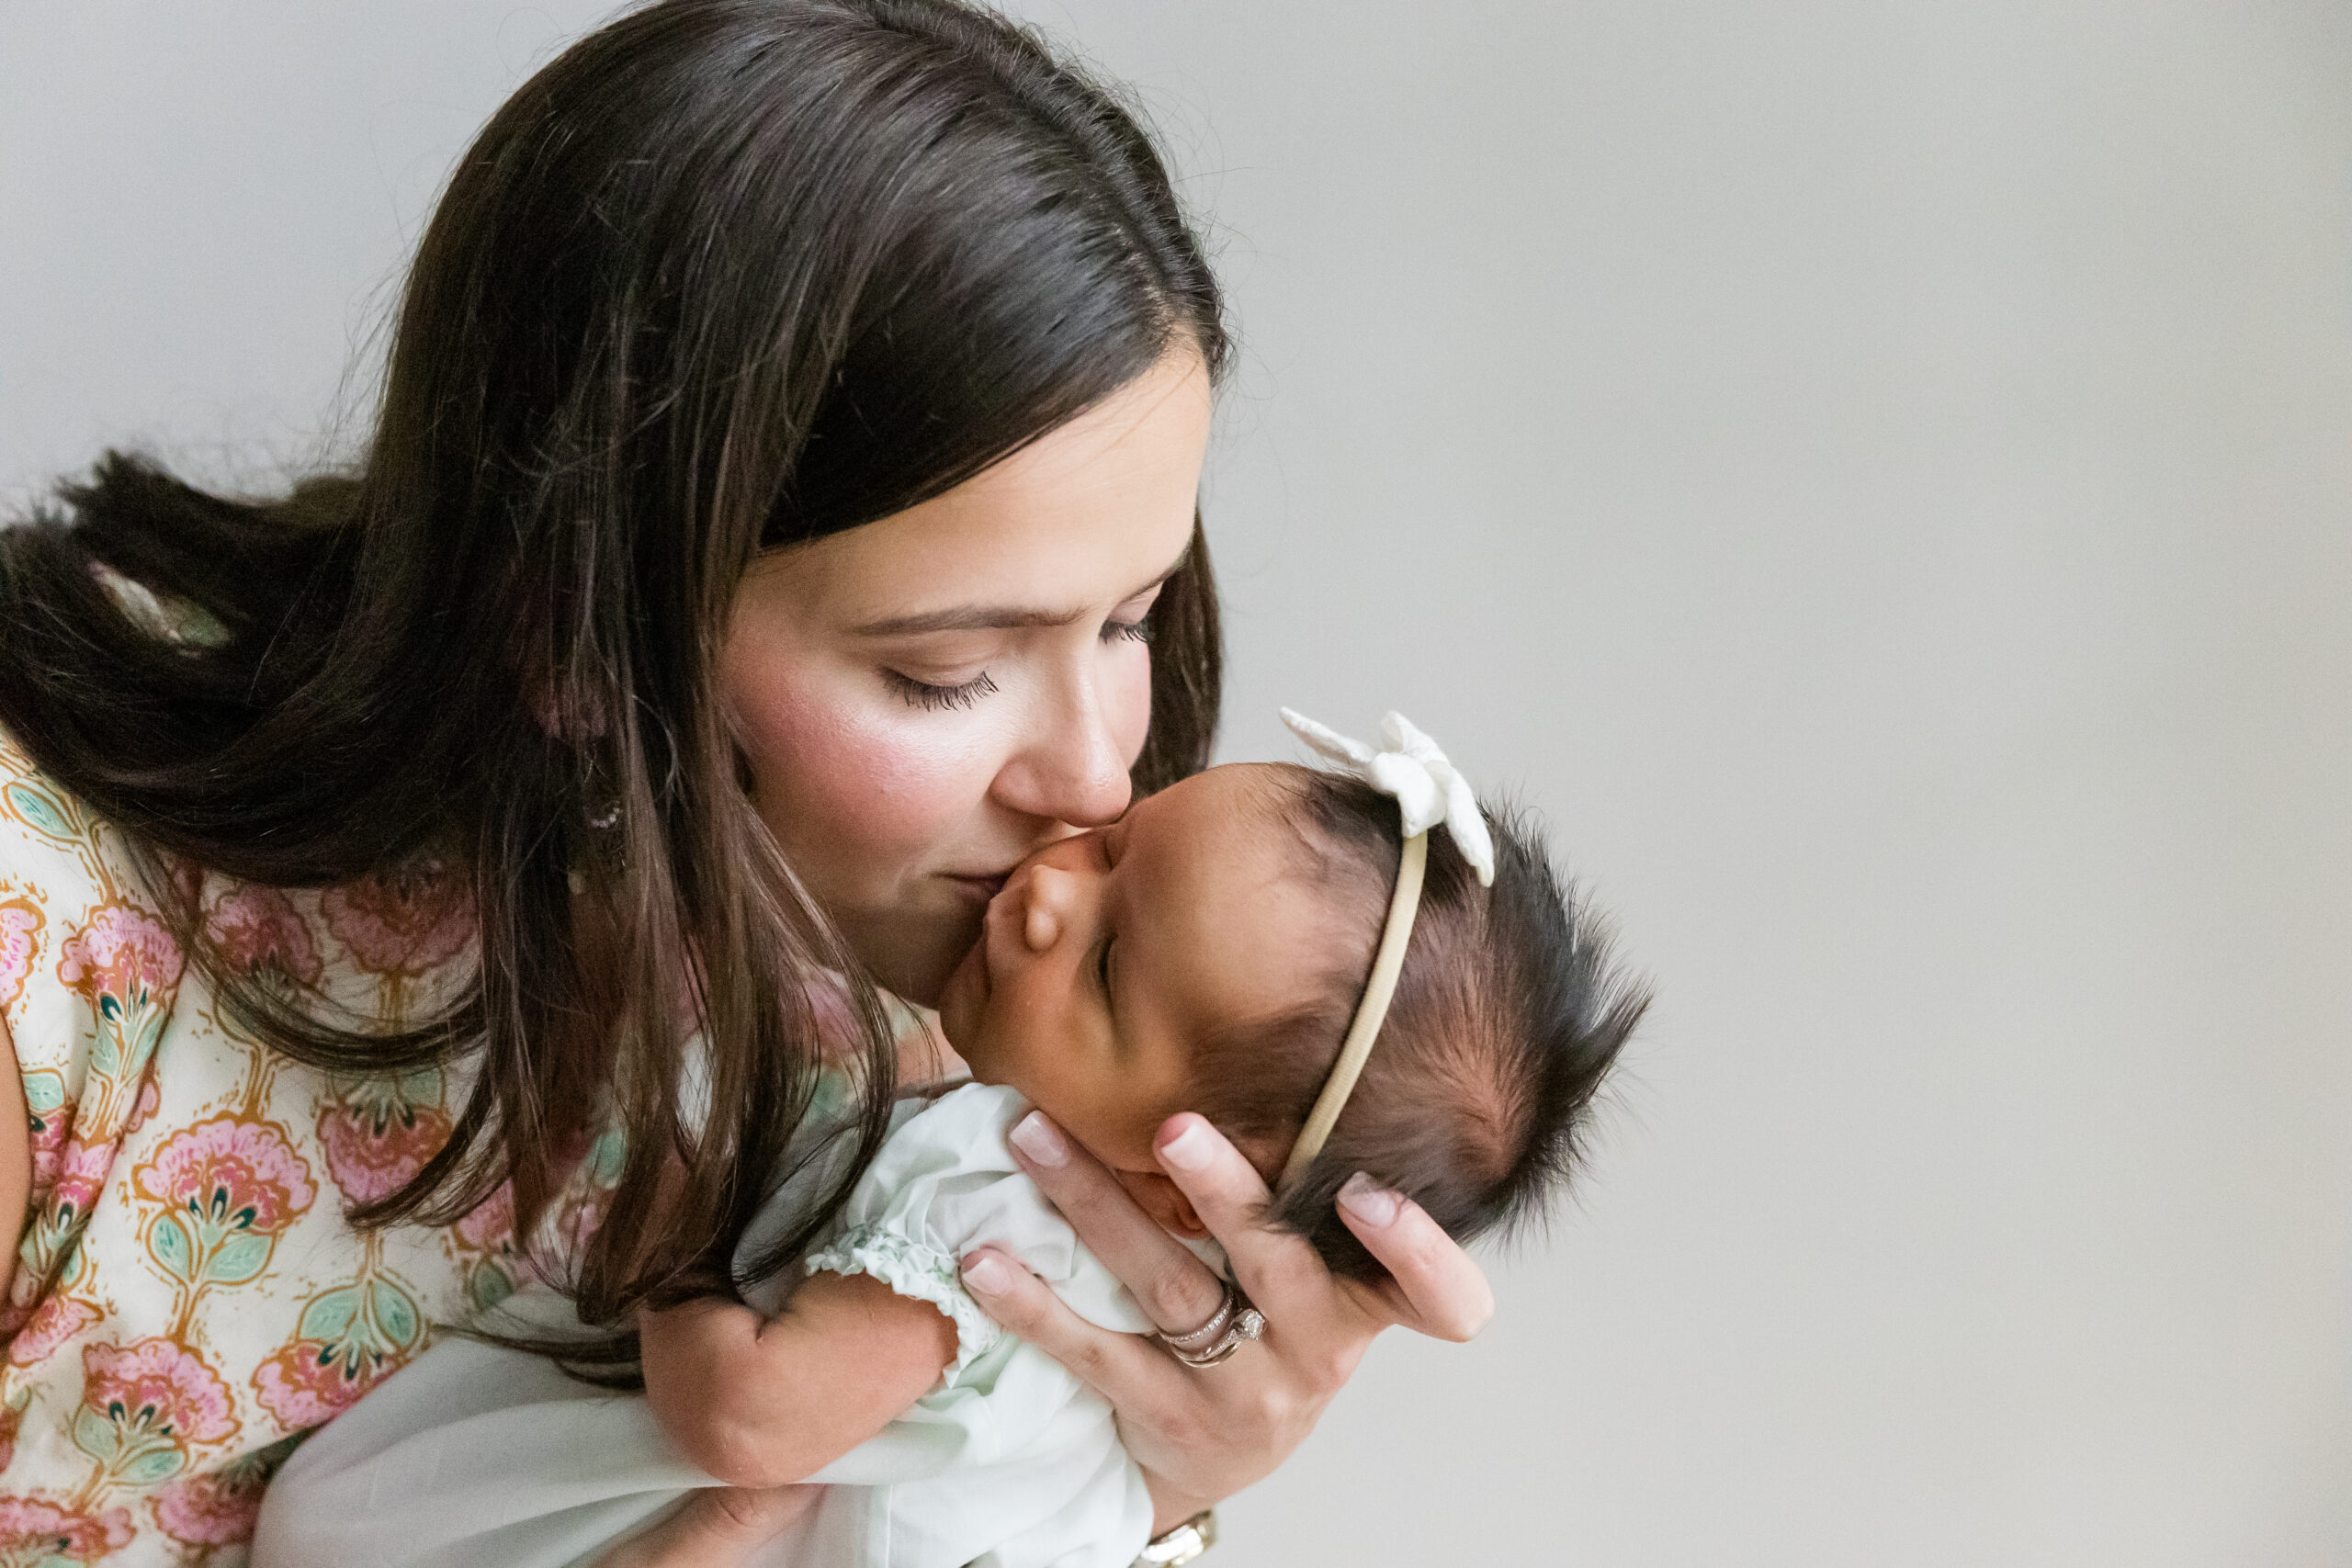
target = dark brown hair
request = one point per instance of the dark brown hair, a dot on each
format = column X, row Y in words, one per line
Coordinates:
column 1508, row 1015
column 727, row 276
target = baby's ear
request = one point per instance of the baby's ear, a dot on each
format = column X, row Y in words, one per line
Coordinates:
column 1164, row 1202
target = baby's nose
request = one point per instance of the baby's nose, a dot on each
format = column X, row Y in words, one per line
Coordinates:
column 1049, row 894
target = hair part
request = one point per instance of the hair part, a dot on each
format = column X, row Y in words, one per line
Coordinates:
column 1508, row 1015
column 725, row 277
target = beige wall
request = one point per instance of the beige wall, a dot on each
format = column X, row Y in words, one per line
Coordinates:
column 1877, row 477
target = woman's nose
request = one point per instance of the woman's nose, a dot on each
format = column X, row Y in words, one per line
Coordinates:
column 1073, row 770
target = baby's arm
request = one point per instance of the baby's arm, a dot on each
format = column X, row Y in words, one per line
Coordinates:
column 762, row 1402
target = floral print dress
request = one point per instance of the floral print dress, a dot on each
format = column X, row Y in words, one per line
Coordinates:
column 188, row 1299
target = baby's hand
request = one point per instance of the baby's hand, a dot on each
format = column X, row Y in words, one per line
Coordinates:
column 718, row 1527
column 759, row 1404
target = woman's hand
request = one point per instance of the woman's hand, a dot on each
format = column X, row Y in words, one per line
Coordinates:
column 1202, row 1435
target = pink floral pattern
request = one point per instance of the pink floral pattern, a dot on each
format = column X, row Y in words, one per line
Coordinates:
column 254, row 928
column 228, row 1187
column 123, row 958
column 55, row 1320
column 225, row 1168
column 188, row 1295
column 20, row 923
column 401, row 926
column 126, row 966
column 372, row 1155
column 145, row 1407
column 488, row 1228
column 81, row 1174
column 38, row 1534
column 306, row 1383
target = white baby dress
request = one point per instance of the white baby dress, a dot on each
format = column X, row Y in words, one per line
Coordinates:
column 477, row 1454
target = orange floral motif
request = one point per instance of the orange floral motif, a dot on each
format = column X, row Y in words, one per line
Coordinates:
column 403, row 925
column 123, row 958
column 35, row 1534
column 46, row 1254
column 20, row 923
column 144, row 1405
column 306, row 1382
column 228, row 1187
column 255, row 928
column 80, row 1173
column 348, row 1340
column 126, row 966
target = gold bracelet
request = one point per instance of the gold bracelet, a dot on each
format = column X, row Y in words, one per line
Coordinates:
column 1181, row 1544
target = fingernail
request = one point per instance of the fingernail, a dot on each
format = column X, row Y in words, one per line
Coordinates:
column 1188, row 1150
column 1040, row 1140
column 1368, row 1200
column 987, row 1274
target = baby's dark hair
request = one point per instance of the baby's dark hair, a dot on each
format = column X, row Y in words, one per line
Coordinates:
column 1508, row 1015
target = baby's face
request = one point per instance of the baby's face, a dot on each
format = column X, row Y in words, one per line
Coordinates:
column 1106, row 956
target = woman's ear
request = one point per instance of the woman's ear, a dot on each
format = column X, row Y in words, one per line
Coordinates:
column 1164, row 1202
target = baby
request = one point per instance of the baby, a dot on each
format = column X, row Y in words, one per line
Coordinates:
column 1207, row 953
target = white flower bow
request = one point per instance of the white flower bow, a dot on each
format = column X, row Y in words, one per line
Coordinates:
column 1427, row 788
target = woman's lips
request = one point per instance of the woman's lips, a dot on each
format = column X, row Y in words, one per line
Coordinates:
column 982, row 888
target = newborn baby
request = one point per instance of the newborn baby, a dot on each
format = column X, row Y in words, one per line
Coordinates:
column 1207, row 953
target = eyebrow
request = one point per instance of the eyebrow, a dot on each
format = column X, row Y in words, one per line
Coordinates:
column 996, row 617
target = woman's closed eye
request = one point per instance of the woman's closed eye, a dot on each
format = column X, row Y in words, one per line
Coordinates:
column 936, row 697
column 1137, row 630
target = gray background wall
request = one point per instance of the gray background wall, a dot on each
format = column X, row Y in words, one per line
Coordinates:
column 1874, row 474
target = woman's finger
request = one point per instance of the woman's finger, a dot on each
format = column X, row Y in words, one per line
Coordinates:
column 1177, row 1291
column 1281, row 1272
column 1437, row 1289
column 1125, row 1369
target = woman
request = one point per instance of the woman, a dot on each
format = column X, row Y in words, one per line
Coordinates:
column 779, row 520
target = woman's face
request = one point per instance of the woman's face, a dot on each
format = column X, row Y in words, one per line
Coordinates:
column 926, row 699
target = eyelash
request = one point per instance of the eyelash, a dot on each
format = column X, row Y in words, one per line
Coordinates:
column 924, row 694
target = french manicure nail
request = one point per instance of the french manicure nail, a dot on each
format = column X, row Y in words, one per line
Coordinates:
column 987, row 1274
column 1040, row 1140
column 1188, row 1150
column 1368, row 1200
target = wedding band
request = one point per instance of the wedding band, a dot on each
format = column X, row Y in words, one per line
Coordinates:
column 1194, row 1339
column 1247, row 1326
column 1233, row 1323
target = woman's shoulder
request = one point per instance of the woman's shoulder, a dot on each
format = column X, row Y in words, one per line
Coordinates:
column 187, row 1238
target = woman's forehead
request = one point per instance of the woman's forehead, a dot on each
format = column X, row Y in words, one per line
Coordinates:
column 1086, row 517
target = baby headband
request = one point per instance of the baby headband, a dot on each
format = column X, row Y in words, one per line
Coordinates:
column 1427, row 790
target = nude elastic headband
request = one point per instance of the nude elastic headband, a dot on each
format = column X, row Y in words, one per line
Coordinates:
column 1429, row 792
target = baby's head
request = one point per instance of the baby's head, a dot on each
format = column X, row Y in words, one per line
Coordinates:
column 1207, row 954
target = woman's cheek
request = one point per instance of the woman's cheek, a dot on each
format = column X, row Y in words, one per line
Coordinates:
column 1130, row 700
column 866, row 793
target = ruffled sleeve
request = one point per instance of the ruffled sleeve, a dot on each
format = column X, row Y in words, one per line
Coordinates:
column 944, row 1183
